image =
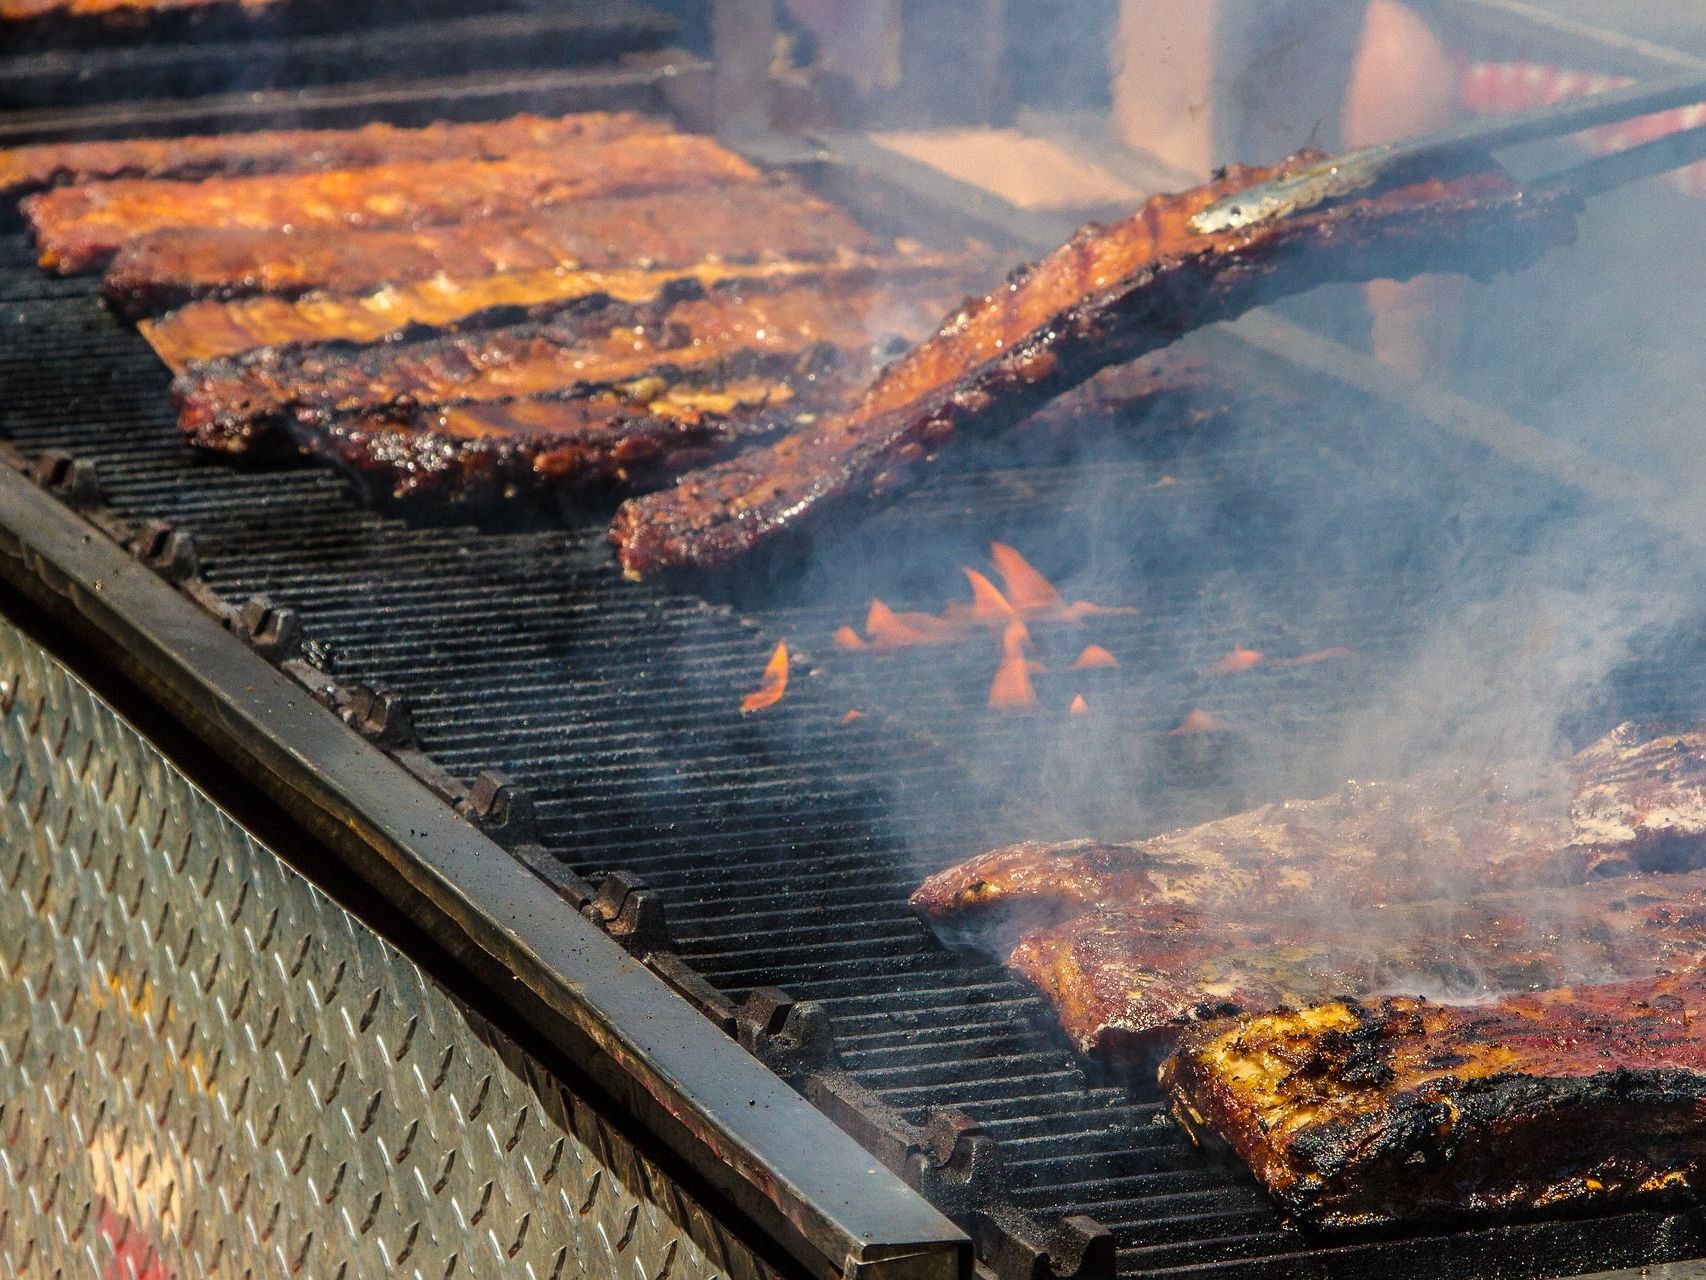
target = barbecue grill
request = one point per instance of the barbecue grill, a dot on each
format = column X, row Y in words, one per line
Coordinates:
column 615, row 975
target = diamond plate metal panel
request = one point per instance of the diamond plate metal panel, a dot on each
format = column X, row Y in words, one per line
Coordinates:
column 209, row 1069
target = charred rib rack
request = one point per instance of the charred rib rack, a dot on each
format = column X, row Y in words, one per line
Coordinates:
column 735, row 222
column 1634, row 800
column 80, row 228
column 1363, row 1114
column 1124, row 981
column 1110, row 294
column 25, row 170
column 734, row 332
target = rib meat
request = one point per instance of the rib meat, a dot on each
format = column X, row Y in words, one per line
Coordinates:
column 231, row 404
column 79, row 228
column 205, row 331
column 24, row 170
column 1356, row 1115
column 1108, row 295
column 476, row 454
column 734, row 222
column 1634, row 800
column 1125, row 980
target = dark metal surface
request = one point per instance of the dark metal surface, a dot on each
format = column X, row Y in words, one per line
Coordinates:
column 547, row 37
column 664, row 83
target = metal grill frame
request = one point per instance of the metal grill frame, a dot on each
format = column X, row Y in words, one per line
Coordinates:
column 207, row 1067
column 798, row 1179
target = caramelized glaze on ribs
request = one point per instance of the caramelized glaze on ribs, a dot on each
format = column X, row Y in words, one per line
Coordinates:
column 24, row 170
column 736, row 331
column 1356, row 1115
column 733, row 222
column 79, row 228
column 1108, row 295
column 207, row 330
column 640, row 433
column 1634, row 800
column 1123, row 982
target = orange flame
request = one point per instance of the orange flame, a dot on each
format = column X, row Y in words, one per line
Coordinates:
column 887, row 629
column 1011, row 688
column 1026, row 588
column 1079, row 706
column 774, row 684
column 1320, row 655
column 1198, row 721
column 987, row 603
column 1028, row 595
column 1240, row 659
column 1094, row 656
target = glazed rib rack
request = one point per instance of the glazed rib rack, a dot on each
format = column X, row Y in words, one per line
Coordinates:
column 783, row 846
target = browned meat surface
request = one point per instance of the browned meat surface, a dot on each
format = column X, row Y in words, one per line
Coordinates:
column 207, row 330
column 737, row 331
column 24, row 170
column 1635, row 800
column 1361, row 1114
column 1125, row 981
column 733, row 222
column 79, row 228
column 626, row 437
column 1109, row 295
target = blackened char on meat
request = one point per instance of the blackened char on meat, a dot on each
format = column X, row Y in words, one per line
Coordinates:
column 1109, row 295
column 1361, row 1114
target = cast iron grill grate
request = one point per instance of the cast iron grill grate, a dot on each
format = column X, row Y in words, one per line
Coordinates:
column 777, row 842
column 393, row 42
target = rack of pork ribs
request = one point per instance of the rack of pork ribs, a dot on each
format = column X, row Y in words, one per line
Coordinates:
column 471, row 311
column 1273, row 960
column 464, row 312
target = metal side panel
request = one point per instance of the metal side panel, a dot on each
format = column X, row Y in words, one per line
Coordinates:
column 775, row 1170
column 208, row 1068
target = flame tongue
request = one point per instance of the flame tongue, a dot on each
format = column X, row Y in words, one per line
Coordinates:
column 774, row 684
column 987, row 603
column 1026, row 588
column 886, row 629
column 1094, row 656
column 1240, row 659
column 1011, row 688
